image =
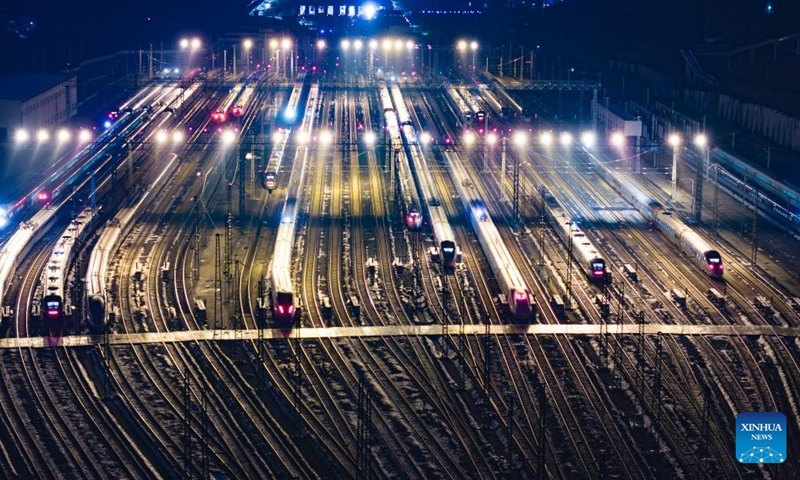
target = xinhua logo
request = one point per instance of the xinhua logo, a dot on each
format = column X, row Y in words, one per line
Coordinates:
column 761, row 437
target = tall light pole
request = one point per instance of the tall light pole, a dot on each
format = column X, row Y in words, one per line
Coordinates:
column 489, row 140
column 569, row 268
column 190, row 45
column 694, row 186
column 345, row 46
column 461, row 47
column 373, row 45
column 273, row 45
column 474, row 47
column 411, row 56
column 248, row 45
column 701, row 141
column 321, row 45
column 675, row 141
column 519, row 141
column 286, row 45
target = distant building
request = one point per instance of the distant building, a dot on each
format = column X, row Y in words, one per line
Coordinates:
column 365, row 9
column 36, row 100
column 17, row 25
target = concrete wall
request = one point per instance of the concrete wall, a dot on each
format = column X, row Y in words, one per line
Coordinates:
column 51, row 107
column 46, row 110
column 10, row 118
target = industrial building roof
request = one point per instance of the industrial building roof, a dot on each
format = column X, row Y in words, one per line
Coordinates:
column 24, row 86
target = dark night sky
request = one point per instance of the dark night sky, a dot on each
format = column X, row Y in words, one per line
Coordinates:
column 67, row 30
column 72, row 32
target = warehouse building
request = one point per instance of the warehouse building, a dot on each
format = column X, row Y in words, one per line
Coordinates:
column 36, row 100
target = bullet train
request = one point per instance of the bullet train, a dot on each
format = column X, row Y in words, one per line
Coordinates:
column 704, row 254
column 55, row 304
column 285, row 311
column 515, row 291
column 699, row 250
column 445, row 241
column 585, row 253
column 269, row 179
column 412, row 215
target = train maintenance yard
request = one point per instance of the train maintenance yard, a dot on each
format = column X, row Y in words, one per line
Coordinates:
column 265, row 275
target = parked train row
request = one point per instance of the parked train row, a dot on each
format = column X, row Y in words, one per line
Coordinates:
column 95, row 295
column 106, row 245
column 445, row 241
column 279, row 140
column 284, row 304
column 474, row 116
column 74, row 168
column 588, row 257
column 412, row 215
column 232, row 107
column 703, row 253
column 744, row 181
column 98, row 156
column 56, row 304
column 781, row 192
column 14, row 249
column 520, row 301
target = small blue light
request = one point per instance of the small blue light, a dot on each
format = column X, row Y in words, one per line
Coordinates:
column 107, row 124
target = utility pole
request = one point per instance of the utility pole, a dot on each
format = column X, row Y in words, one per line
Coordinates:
column 769, row 156
column 674, row 170
column 94, row 196
column 503, row 169
column 755, row 227
column 217, row 283
column 542, row 429
column 187, row 425
column 569, row 270
column 242, row 175
column 205, row 427
column 541, row 227
column 516, row 188
column 698, row 185
column 228, row 231
column 638, row 150
column 716, row 197
column 196, row 253
column 130, row 161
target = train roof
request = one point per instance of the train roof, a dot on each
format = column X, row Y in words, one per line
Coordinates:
column 685, row 233
column 281, row 281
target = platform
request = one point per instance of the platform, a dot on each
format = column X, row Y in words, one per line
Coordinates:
column 271, row 334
